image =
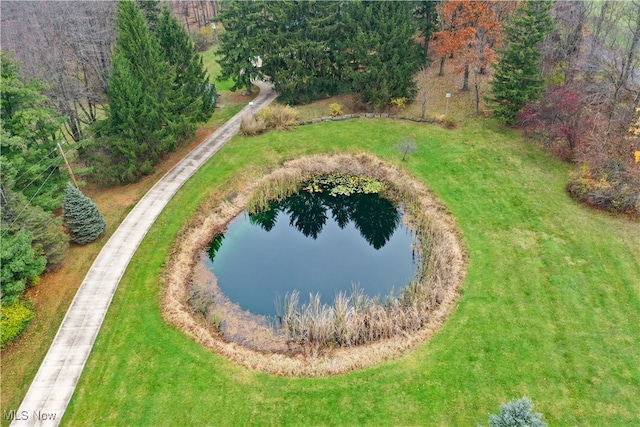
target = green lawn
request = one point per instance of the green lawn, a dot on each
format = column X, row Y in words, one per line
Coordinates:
column 210, row 61
column 550, row 307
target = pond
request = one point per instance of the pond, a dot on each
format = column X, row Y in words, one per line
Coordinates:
column 313, row 243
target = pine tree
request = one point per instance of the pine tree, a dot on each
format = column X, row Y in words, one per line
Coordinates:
column 381, row 51
column 242, row 42
column 139, row 93
column 194, row 97
column 517, row 80
column 151, row 11
column 300, row 49
column 81, row 216
column 28, row 137
column 426, row 17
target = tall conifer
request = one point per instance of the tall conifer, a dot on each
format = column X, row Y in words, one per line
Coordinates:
column 194, row 98
column 140, row 93
column 517, row 80
column 384, row 54
column 301, row 45
column 242, row 42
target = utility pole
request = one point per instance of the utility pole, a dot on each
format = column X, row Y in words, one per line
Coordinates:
column 66, row 162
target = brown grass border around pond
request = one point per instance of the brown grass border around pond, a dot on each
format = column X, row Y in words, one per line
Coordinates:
column 445, row 261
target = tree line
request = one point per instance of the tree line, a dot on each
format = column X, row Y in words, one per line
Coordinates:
column 316, row 49
column 151, row 88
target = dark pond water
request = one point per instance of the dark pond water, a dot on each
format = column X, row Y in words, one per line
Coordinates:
column 313, row 242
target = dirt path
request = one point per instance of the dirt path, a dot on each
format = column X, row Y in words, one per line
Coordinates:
column 56, row 380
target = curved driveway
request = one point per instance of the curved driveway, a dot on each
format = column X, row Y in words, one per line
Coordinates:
column 54, row 384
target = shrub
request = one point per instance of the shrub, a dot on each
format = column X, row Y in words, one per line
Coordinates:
column 613, row 191
column 48, row 238
column 445, row 122
column 81, row 216
column 20, row 265
column 280, row 117
column 13, row 321
column 250, row 126
column 335, row 110
column 407, row 147
column 399, row 103
column 516, row 413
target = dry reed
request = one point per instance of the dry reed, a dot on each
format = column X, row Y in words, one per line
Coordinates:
column 356, row 330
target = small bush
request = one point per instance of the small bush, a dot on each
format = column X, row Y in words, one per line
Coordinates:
column 214, row 320
column 614, row 192
column 399, row 103
column 516, row 413
column 280, row 117
column 445, row 122
column 335, row 110
column 250, row 126
column 407, row 147
column 13, row 321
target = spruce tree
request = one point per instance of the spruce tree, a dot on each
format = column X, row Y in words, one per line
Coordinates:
column 140, row 91
column 242, row 42
column 517, row 79
column 516, row 413
column 81, row 216
column 194, row 99
column 47, row 237
column 300, row 49
column 426, row 16
column 151, row 11
column 381, row 51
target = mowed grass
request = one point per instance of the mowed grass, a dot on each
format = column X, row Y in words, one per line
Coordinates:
column 549, row 309
column 53, row 295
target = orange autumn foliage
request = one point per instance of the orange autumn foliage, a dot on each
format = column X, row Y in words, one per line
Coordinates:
column 471, row 31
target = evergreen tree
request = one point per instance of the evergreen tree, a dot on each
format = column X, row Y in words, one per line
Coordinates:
column 140, row 92
column 426, row 16
column 28, row 137
column 516, row 413
column 194, row 96
column 151, row 11
column 517, row 79
column 381, row 51
column 81, row 216
column 48, row 239
column 300, row 47
column 20, row 265
column 242, row 42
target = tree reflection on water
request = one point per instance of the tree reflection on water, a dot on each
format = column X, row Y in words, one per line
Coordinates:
column 374, row 217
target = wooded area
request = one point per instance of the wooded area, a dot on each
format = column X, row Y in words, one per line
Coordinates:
column 118, row 84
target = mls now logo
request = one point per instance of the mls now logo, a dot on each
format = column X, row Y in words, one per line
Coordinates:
column 26, row 415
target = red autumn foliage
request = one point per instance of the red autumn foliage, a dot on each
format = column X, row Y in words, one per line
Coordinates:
column 555, row 120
